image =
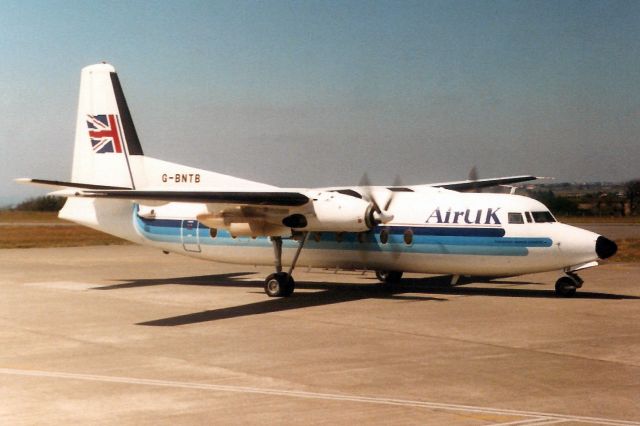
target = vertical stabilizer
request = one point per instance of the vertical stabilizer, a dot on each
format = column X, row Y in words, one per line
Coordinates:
column 106, row 139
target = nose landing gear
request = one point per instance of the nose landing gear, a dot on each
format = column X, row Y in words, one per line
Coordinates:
column 566, row 286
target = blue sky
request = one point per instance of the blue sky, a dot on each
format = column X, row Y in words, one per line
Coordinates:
column 317, row 93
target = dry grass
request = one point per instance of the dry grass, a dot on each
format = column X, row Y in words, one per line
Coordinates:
column 628, row 251
column 44, row 229
column 599, row 219
column 53, row 236
column 14, row 216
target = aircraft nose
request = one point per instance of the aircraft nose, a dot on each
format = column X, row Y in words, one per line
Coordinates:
column 605, row 248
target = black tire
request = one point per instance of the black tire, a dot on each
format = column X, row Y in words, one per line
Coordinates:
column 279, row 284
column 565, row 287
column 389, row 277
column 289, row 286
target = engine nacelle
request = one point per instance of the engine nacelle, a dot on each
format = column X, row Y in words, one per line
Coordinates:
column 333, row 211
column 244, row 227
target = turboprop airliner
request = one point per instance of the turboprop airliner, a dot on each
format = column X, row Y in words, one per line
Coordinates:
column 438, row 228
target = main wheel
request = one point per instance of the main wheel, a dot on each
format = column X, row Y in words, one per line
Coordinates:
column 279, row 284
column 565, row 287
column 389, row 277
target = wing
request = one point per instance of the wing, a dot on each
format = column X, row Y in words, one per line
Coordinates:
column 241, row 198
column 481, row 183
column 462, row 185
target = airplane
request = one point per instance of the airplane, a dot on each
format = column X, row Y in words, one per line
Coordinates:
column 448, row 228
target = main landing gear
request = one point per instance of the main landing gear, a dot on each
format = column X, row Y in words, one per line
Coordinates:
column 281, row 284
column 389, row 278
column 566, row 286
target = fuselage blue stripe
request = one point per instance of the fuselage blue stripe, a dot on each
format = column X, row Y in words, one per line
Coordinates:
column 424, row 240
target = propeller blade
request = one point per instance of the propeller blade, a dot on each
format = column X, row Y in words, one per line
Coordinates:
column 396, row 183
column 384, row 217
column 365, row 184
column 473, row 173
column 473, row 176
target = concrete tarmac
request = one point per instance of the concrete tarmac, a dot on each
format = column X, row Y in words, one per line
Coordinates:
column 127, row 335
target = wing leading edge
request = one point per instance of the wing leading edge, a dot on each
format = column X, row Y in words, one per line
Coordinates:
column 271, row 198
column 256, row 198
column 482, row 183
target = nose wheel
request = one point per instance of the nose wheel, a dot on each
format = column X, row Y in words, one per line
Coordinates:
column 566, row 286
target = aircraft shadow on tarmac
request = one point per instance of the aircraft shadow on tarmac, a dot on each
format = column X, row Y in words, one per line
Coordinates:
column 420, row 289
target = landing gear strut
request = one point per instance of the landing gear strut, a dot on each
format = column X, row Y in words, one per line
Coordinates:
column 281, row 284
column 566, row 286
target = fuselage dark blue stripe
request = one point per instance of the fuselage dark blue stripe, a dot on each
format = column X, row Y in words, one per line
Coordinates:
column 446, row 231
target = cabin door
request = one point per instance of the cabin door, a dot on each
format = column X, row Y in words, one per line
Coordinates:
column 190, row 237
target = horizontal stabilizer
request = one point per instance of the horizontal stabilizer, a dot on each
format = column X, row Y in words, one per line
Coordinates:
column 57, row 183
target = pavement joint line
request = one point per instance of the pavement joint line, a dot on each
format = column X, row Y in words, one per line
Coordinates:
column 551, row 417
column 489, row 344
column 522, row 422
column 531, row 422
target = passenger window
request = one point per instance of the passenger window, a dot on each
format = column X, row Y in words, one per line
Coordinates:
column 543, row 217
column 317, row 236
column 362, row 237
column 213, row 232
column 528, row 215
column 516, row 218
column 384, row 236
column 339, row 236
column 408, row 237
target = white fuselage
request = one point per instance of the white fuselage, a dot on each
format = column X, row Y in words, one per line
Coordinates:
column 434, row 230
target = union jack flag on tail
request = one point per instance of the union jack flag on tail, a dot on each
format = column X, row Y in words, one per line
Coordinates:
column 104, row 133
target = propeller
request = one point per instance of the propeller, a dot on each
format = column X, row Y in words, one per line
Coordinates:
column 380, row 215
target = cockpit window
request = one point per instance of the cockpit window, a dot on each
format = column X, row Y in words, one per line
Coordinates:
column 516, row 218
column 543, row 217
column 528, row 215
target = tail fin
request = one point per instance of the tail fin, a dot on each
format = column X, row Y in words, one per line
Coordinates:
column 107, row 149
column 106, row 138
column 108, row 155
